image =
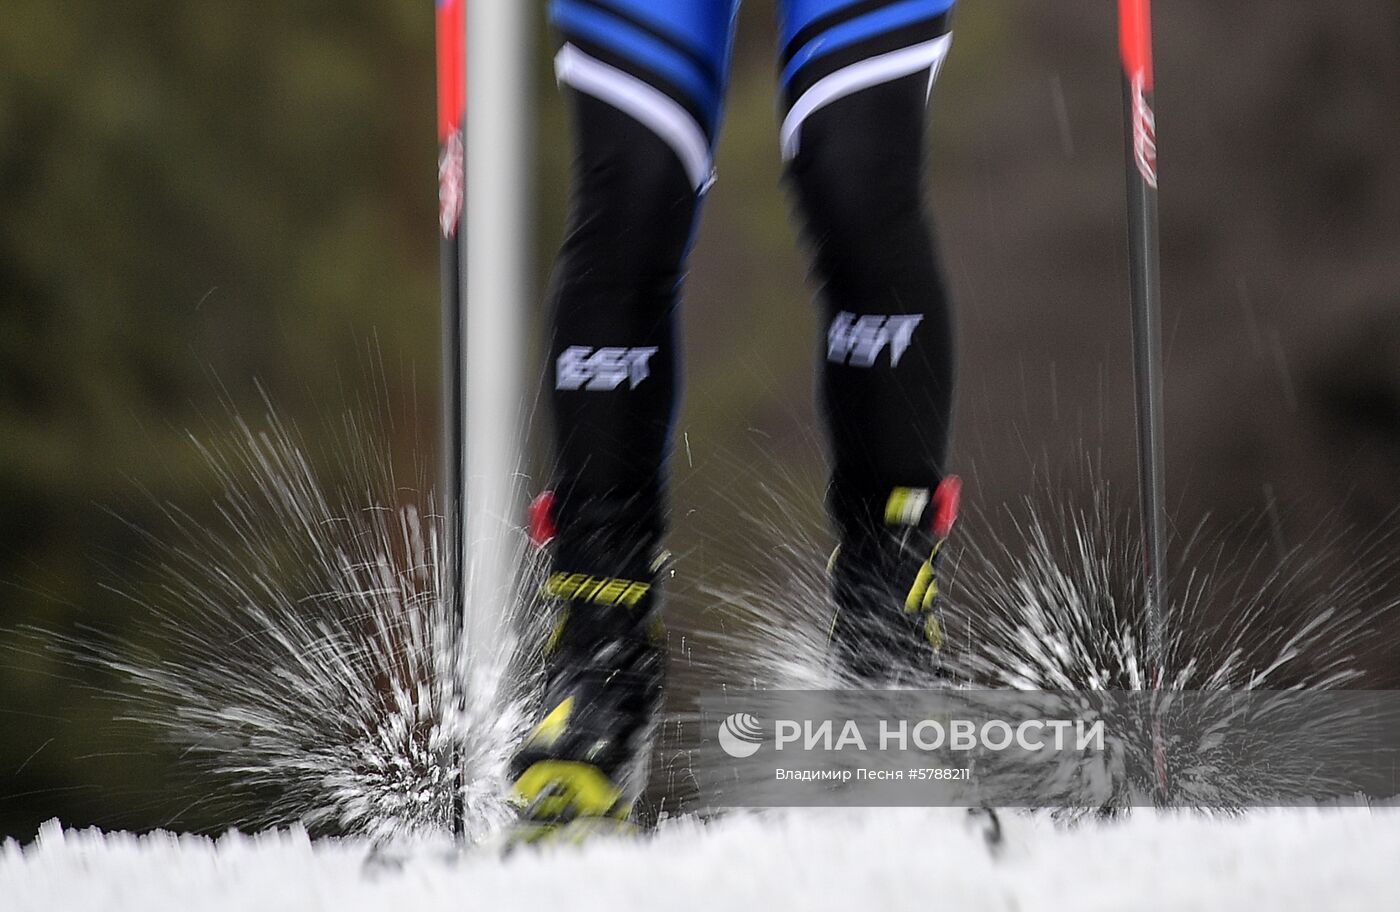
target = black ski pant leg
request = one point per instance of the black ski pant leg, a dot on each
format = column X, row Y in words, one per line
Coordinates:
column 613, row 354
column 886, row 385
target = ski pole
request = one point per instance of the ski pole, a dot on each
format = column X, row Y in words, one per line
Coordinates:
column 1135, row 46
column 498, row 233
column 451, row 89
column 482, row 146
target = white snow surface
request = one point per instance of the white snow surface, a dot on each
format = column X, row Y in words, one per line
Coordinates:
column 1316, row 860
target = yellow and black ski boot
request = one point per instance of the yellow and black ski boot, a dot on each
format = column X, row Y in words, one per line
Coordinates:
column 584, row 765
column 884, row 579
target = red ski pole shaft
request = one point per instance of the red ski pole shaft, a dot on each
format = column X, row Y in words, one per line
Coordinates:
column 1144, row 263
column 1135, row 48
column 451, row 97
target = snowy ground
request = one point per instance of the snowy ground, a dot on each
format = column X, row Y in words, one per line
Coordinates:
column 1311, row 861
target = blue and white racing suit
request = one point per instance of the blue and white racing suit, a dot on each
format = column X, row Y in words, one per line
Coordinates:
column 645, row 81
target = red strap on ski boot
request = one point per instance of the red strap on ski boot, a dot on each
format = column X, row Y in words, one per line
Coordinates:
column 945, row 506
column 542, row 527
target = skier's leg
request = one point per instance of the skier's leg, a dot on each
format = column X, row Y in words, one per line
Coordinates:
column 856, row 81
column 612, row 357
column 643, row 80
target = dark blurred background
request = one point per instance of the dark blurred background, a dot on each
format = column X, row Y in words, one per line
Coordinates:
column 201, row 199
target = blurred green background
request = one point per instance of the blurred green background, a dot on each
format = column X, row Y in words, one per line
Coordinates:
column 201, row 198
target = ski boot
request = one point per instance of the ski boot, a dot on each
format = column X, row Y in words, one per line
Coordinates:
column 583, row 766
column 884, row 579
